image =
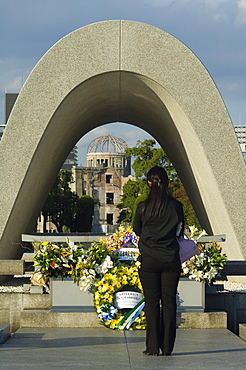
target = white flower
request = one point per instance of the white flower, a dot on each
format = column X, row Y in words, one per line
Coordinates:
column 85, row 282
column 92, row 273
column 193, row 230
column 197, row 275
column 211, row 274
column 72, row 246
column 186, row 270
column 203, row 233
column 103, row 268
column 200, row 258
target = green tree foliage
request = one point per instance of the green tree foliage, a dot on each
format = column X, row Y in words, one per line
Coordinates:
column 131, row 191
column 146, row 155
column 65, row 209
column 178, row 191
column 84, row 214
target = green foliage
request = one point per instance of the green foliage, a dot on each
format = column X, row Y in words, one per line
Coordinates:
column 178, row 191
column 65, row 209
column 146, row 155
column 131, row 191
column 84, row 214
column 58, row 261
column 206, row 265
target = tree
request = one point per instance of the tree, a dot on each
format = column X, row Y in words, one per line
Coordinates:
column 131, row 190
column 65, row 209
column 146, row 155
column 84, row 214
column 178, row 191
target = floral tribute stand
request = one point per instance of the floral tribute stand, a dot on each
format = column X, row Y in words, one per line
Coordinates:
column 104, row 278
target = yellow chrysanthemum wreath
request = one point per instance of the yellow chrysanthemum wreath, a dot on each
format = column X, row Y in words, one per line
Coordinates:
column 104, row 295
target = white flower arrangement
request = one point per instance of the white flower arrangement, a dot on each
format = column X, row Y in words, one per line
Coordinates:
column 205, row 265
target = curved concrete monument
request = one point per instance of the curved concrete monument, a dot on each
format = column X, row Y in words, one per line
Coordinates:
column 128, row 72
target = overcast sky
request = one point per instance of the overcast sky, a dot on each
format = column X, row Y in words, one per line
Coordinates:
column 215, row 30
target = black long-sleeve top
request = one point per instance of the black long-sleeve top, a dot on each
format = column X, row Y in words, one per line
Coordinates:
column 158, row 236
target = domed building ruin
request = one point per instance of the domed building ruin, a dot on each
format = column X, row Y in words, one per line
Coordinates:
column 106, row 171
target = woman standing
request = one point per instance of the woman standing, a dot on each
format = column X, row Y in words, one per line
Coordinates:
column 158, row 220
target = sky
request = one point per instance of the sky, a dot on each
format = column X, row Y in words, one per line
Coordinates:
column 215, row 30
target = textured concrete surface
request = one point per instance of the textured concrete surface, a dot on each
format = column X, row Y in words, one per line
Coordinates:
column 4, row 332
column 128, row 72
column 107, row 349
column 11, row 267
column 84, row 319
column 33, row 310
column 242, row 331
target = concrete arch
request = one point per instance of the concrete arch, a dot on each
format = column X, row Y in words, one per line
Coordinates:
column 128, row 72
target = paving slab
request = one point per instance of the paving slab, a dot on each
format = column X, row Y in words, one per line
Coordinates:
column 94, row 349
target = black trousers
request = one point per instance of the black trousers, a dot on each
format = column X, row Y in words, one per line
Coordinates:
column 159, row 281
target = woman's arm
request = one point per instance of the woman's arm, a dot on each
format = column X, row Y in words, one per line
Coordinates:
column 137, row 224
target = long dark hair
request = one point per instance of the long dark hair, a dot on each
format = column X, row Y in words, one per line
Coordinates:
column 157, row 180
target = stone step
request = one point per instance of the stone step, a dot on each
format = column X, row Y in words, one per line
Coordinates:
column 88, row 319
column 58, row 319
column 4, row 333
column 242, row 331
column 11, row 267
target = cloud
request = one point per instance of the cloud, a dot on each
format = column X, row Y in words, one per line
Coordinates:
column 241, row 17
column 14, row 72
column 165, row 3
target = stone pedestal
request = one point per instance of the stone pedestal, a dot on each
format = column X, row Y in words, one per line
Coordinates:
column 190, row 296
column 66, row 294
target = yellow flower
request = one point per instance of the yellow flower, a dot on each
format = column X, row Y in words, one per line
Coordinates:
column 45, row 244
column 66, row 253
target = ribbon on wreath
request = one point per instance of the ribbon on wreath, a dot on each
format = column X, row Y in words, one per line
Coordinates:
column 131, row 316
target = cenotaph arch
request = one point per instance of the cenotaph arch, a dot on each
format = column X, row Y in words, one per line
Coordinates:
column 128, row 72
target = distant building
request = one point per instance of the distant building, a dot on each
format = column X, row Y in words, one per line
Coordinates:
column 72, row 160
column 241, row 136
column 9, row 100
column 103, row 178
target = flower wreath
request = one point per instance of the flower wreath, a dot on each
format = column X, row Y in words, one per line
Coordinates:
column 104, row 295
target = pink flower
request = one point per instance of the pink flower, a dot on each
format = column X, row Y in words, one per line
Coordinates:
column 53, row 265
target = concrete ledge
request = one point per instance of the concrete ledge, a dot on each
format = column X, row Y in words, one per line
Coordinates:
column 49, row 319
column 36, row 301
column 11, row 267
column 242, row 331
column 62, row 237
column 4, row 332
column 202, row 320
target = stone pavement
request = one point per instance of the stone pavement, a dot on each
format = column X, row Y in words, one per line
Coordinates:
column 104, row 349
